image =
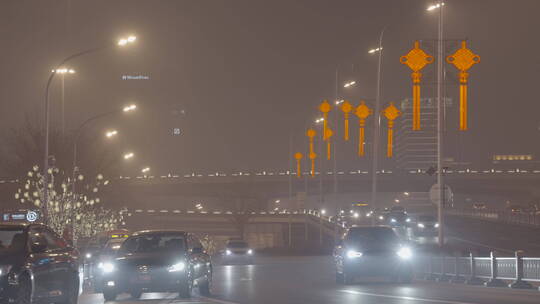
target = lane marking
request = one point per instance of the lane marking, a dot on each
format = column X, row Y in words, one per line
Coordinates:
column 403, row 297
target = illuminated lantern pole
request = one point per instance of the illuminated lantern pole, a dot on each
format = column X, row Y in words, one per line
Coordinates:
column 391, row 113
column 346, row 107
column 463, row 59
column 298, row 156
column 416, row 60
column 325, row 108
column 311, row 134
column 362, row 112
column 328, row 134
column 312, row 156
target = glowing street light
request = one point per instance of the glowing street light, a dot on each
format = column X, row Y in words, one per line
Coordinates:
column 435, row 6
column 338, row 102
column 129, row 155
column 130, row 107
column 63, row 71
column 356, row 215
column 111, row 133
column 323, row 211
column 406, row 193
column 396, row 200
column 319, row 120
column 349, row 84
column 125, row 41
column 375, row 50
column 145, row 170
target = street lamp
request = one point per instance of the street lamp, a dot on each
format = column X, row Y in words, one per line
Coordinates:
column 349, row 84
column 63, row 71
column 78, row 133
column 129, row 39
column 129, row 155
column 129, row 108
column 375, row 50
column 111, row 133
column 435, row 6
column 145, row 170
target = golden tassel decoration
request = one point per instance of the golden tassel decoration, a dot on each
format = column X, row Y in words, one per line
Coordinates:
column 311, row 134
column 325, row 108
column 298, row 156
column 312, row 156
column 328, row 134
column 463, row 59
column 391, row 113
column 346, row 107
column 362, row 112
column 416, row 59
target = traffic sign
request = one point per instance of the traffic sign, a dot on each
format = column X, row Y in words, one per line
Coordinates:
column 434, row 194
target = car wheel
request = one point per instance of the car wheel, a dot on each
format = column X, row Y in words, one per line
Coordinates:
column 24, row 291
column 206, row 286
column 72, row 292
column 136, row 294
column 109, row 295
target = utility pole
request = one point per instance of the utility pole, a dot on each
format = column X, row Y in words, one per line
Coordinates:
column 440, row 124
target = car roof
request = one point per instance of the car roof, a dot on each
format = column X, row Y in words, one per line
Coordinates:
column 163, row 231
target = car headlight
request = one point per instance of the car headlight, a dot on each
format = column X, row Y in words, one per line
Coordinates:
column 4, row 269
column 420, row 225
column 250, row 251
column 88, row 255
column 393, row 220
column 408, row 220
column 177, row 267
column 352, row 254
column 437, row 225
column 228, row 252
column 381, row 217
column 107, row 267
column 404, row 253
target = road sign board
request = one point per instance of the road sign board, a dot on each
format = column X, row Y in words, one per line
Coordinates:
column 434, row 194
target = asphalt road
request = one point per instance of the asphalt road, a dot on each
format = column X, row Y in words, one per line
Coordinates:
column 291, row 280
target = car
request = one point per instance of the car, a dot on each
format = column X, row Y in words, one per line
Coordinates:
column 37, row 266
column 237, row 250
column 372, row 251
column 397, row 219
column 158, row 261
column 426, row 225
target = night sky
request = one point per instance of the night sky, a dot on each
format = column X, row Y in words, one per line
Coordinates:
column 238, row 77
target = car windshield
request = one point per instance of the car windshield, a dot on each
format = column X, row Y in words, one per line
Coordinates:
column 111, row 248
column 238, row 244
column 371, row 236
column 11, row 239
column 154, row 243
column 426, row 218
column 398, row 215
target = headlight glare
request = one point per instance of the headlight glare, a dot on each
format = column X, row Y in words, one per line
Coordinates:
column 437, row 225
column 408, row 220
column 228, row 252
column 393, row 220
column 88, row 255
column 420, row 225
column 404, row 253
column 177, row 267
column 108, row 267
column 250, row 251
column 351, row 254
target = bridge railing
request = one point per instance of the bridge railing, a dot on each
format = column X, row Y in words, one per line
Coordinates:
column 514, row 272
column 509, row 217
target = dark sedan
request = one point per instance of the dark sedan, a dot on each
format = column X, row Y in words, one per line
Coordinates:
column 372, row 251
column 158, row 261
column 37, row 266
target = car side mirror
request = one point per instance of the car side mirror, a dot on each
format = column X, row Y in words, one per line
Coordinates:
column 197, row 250
column 39, row 247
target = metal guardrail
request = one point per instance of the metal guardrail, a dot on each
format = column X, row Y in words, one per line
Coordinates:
column 490, row 271
column 521, row 218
